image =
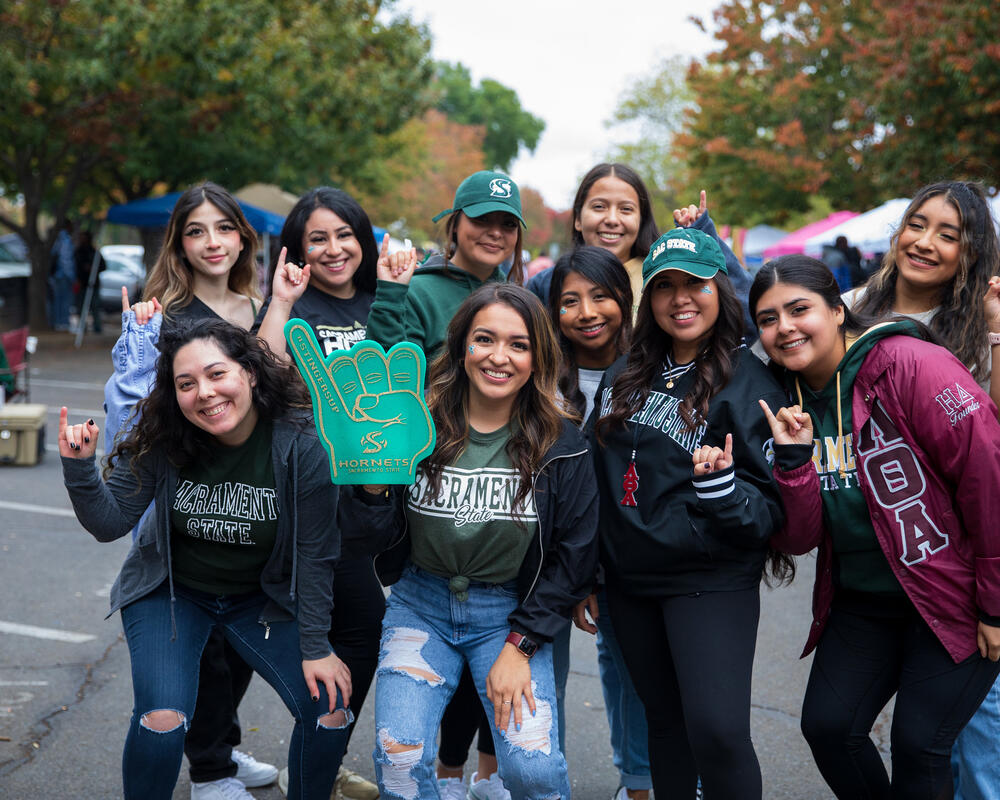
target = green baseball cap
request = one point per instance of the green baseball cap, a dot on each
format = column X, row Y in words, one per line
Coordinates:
column 687, row 250
column 483, row 192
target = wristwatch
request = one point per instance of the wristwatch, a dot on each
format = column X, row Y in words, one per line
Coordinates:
column 994, row 338
column 523, row 643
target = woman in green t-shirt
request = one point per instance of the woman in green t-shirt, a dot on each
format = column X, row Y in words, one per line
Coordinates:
column 501, row 526
column 223, row 445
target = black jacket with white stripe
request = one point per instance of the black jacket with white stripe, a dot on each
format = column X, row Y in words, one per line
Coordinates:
column 686, row 534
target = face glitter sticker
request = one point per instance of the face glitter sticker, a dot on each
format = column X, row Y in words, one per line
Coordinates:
column 705, row 290
column 472, row 348
column 562, row 311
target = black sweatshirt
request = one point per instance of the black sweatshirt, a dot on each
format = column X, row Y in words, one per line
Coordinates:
column 680, row 539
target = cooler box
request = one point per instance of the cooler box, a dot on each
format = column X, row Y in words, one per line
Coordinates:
column 22, row 433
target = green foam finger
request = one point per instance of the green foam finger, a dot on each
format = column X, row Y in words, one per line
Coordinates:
column 406, row 367
column 374, row 371
column 347, row 381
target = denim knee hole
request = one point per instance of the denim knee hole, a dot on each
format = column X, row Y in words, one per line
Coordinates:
column 336, row 720
column 535, row 733
column 401, row 653
column 398, row 760
column 163, row 720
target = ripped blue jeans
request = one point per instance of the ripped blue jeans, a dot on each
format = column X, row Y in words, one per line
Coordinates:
column 428, row 634
column 165, row 678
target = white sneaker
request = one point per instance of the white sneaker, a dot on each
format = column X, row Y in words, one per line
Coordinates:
column 451, row 789
column 283, row 780
column 225, row 789
column 251, row 772
column 487, row 789
column 351, row 786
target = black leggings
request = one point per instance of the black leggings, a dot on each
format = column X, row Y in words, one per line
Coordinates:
column 463, row 716
column 691, row 659
column 861, row 662
column 356, row 624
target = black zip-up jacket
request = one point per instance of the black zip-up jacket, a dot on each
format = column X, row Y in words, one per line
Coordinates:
column 298, row 576
column 558, row 570
column 680, row 538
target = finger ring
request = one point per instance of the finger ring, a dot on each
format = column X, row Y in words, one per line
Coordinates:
column 506, row 702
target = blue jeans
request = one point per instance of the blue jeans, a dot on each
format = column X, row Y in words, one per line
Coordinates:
column 975, row 756
column 165, row 678
column 626, row 715
column 427, row 636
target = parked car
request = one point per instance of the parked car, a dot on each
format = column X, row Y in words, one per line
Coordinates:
column 124, row 268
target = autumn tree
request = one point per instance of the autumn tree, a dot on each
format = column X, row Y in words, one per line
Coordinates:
column 856, row 101
column 655, row 107
column 104, row 99
column 496, row 107
column 773, row 108
column 422, row 166
column 935, row 102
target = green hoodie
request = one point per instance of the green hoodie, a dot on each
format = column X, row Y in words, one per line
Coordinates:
column 859, row 563
column 420, row 312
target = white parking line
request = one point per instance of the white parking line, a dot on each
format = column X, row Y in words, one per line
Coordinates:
column 32, row 509
column 45, row 633
column 77, row 413
column 24, row 683
column 49, row 383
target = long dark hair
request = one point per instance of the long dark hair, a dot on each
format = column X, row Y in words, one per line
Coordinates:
column 960, row 322
column 351, row 212
column 171, row 278
column 602, row 268
column 649, row 350
column 161, row 425
column 537, row 414
column 648, row 232
column 814, row 276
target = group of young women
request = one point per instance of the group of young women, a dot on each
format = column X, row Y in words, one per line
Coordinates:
column 612, row 453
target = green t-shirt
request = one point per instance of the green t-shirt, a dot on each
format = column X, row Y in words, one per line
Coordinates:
column 469, row 528
column 225, row 518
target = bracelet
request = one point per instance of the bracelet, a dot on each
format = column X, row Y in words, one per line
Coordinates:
column 994, row 339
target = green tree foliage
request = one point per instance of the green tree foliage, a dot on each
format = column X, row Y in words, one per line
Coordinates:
column 935, row 100
column 773, row 119
column 655, row 107
column 108, row 98
column 856, row 100
column 492, row 105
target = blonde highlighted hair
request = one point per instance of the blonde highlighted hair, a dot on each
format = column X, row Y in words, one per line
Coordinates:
column 172, row 278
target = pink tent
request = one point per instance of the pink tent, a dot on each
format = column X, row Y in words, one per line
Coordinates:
column 795, row 242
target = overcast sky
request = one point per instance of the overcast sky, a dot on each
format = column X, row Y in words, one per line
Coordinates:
column 569, row 61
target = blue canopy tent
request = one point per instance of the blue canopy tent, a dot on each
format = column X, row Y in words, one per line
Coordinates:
column 154, row 212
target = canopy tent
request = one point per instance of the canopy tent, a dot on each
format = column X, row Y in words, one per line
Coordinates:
column 795, row 241
column 753, row 241
column 869, row 232
column 154, row 212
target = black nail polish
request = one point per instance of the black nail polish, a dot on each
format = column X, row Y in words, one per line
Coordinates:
column 90, row 422
column 86, row 439
column 315, row 698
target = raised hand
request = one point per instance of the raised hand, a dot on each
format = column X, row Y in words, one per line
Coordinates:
column 991, row 305
column 290, row 280
column 144, row 310
column 398, row 267
column 77, row 441
column 369, row 407
column 708, row 459
column 791, row 425
column 685, row 217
